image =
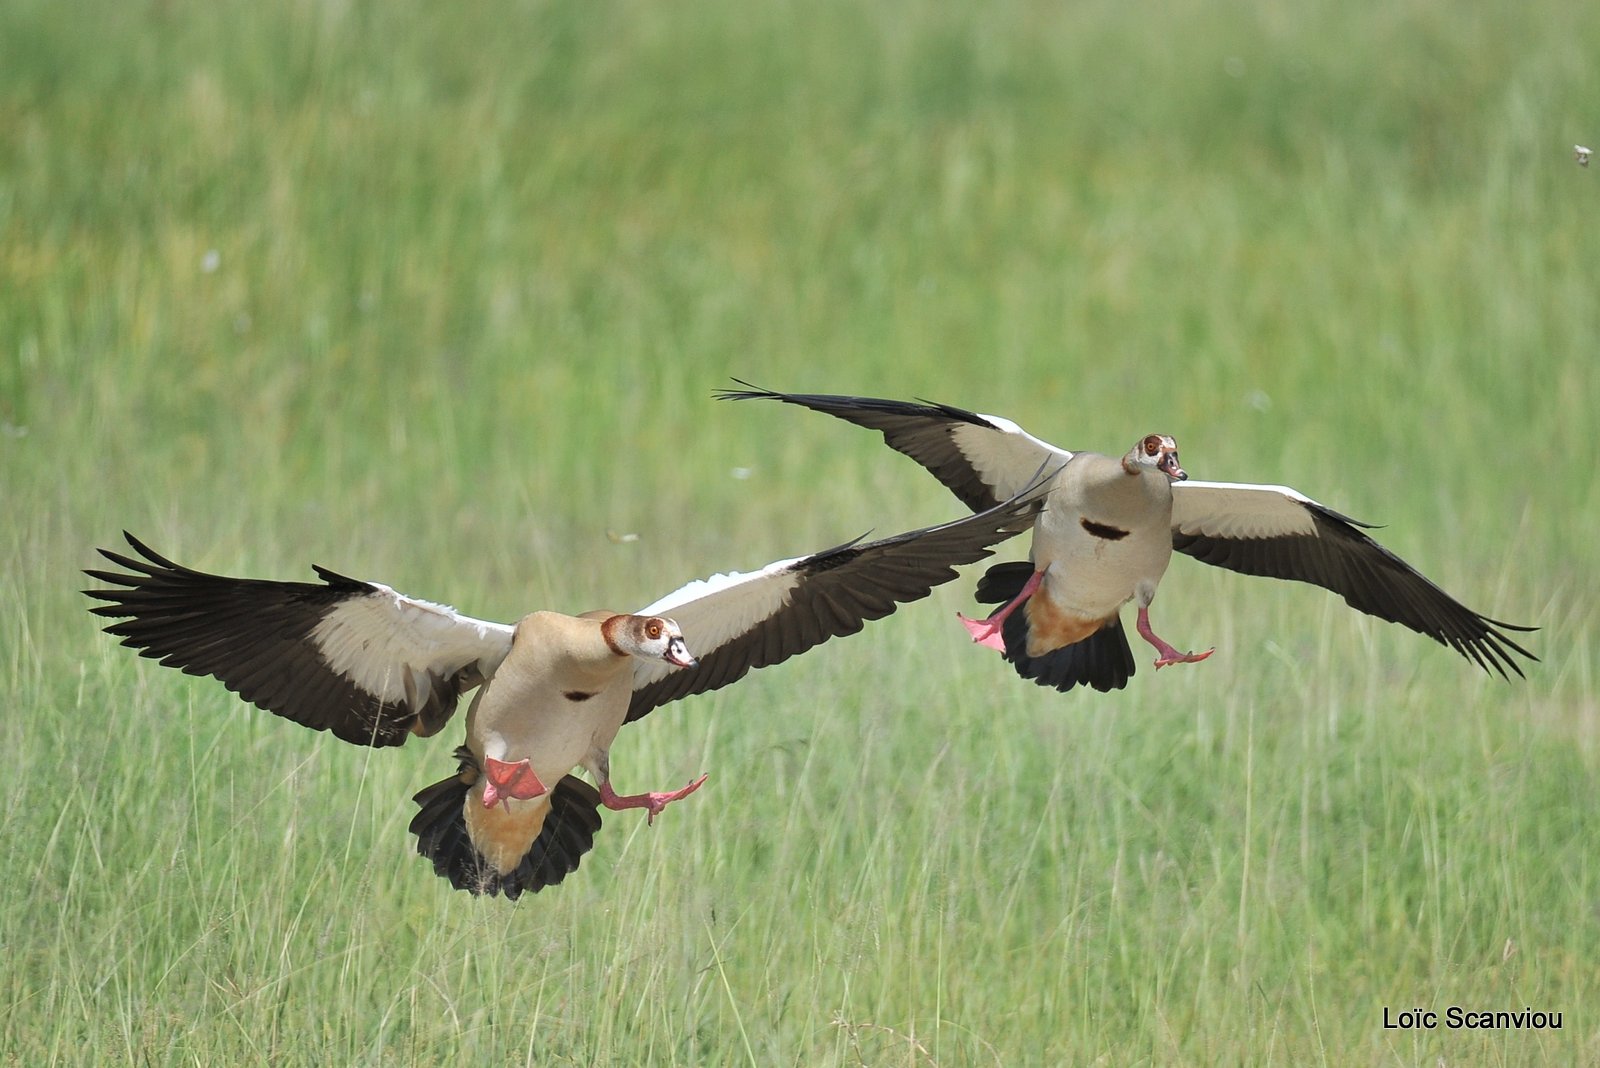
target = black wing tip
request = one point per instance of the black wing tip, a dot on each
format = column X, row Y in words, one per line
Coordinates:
column 836, row 402
column 1492, row 650
column 141, row 548
column 137, row 572
column 144, row 550
column 345, row 583
column 804, row 400
column 134, row 575
column 1510, row 626
column 1482, row 640
column 152, row 564
column 1479, row 639
column 751, row 391
column 1371, row 579
column 113, row 596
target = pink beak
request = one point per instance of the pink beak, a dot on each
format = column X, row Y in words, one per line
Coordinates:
column 1169, row 465
column 506, row 781
column 678, row 654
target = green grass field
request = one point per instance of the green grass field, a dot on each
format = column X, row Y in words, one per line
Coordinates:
column 437, row 294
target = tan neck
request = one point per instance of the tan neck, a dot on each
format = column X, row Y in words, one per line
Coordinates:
column 611, row 630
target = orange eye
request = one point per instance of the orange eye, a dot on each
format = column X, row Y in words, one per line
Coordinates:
column 1151, row 446
column 653, row 629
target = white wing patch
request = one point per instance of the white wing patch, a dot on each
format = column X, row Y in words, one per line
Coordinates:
column 394, row 646
column 714, row 611
column 1007, row 456
column 1240, row 511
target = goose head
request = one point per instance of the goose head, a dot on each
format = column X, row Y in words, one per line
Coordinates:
column 649, row 638
column 1158, row 451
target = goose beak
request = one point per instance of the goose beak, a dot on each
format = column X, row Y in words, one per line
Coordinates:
column 1169, row 465
column 678, row 654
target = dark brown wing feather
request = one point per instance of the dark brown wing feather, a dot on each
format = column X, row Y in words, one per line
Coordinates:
column 254, row 636
column 837, row 591
column 922, row 431
column 1371, row 579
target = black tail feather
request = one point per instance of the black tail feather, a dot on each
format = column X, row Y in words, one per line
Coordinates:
column 1003, row 581
column 441, row 829
column 1102, row 660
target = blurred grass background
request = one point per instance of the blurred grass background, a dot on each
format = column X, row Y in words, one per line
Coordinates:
column 437, row 295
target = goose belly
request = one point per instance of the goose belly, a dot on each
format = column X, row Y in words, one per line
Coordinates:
column 1091, row 575
column 553, row 731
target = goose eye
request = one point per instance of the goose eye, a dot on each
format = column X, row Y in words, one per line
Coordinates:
column 1151, row 446
column 653, row 629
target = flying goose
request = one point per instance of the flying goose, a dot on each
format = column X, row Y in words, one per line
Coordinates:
column 1108, row 530
column 374, row 666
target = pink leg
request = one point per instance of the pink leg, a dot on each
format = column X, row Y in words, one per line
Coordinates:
column 1169, row 655
column 987, row 631
column 652, row 802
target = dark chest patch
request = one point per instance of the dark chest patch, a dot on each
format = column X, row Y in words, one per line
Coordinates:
column 577, row 695
column 1101, row 530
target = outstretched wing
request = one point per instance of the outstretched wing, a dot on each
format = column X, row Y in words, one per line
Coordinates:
column 355, row 658
column 982, row 459
column 1280, row 533
column 735, row 622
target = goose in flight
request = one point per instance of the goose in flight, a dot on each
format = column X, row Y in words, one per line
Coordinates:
column 1108, row 530
column 374, row 667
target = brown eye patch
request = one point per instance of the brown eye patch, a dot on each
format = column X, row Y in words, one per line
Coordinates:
column 653, row 628
column 1152, row 445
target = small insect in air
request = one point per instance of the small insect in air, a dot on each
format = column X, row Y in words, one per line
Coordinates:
column 1581, row 154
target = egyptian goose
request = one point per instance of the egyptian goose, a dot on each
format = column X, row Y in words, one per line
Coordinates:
column 1108, row 530
column 374, row 666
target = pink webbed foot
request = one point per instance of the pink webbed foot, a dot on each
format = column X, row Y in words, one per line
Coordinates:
column 987, row 632
column 652, row 802
column 1169, row 655
column 503, row 780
